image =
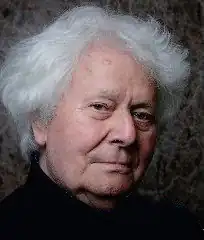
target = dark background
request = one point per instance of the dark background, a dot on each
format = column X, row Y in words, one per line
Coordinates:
column 177, row 170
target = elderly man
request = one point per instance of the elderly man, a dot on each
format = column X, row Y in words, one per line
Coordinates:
column 87, row 95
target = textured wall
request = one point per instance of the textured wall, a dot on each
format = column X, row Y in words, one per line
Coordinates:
column 177, row 171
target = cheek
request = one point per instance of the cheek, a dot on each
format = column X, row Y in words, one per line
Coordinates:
column 147, row 144
column 76, row 134
column 88, row 136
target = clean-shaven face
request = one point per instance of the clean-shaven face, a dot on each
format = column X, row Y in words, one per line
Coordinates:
column 103, row 133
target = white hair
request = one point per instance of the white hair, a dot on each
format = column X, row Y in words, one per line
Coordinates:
column 37, row 69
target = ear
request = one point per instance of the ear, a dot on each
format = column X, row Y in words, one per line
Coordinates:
column 40, row 133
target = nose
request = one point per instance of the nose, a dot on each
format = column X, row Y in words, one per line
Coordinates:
column 123, row 131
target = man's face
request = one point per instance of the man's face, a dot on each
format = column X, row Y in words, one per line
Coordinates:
column 103, row 132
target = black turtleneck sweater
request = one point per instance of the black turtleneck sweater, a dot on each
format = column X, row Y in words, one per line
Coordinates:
column 40, row 209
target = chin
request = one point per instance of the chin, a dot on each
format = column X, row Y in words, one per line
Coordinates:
column 113, row 188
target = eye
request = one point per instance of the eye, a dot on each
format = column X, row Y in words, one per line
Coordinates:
column 100, row 106
column 144, row 117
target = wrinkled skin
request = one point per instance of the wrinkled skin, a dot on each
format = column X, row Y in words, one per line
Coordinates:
column 103, row 133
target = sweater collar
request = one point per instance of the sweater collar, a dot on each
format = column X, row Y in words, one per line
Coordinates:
column 52, row 194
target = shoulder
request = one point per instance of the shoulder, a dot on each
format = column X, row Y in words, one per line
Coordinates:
column 15, row 200
column 15, row 209
column 172, row 217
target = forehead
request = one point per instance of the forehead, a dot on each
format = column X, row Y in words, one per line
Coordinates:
column 104, row 55
column 106, row 69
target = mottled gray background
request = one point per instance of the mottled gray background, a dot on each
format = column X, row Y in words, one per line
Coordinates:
column 177, row 171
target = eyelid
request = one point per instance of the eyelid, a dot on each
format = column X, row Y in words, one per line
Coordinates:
column 143, row 111
column 105, row 105
column 108, row 103
column 150, row 116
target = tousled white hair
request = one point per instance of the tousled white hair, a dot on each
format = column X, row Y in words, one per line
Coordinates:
column 37, row 69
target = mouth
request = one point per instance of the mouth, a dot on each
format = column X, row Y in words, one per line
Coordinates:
column 117, row 167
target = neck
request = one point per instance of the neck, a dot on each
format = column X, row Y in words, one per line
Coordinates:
column 98, row 202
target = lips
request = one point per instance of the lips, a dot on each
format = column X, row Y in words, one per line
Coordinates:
column 123, row 166
column 117, row 167
column 125, row 161
column 117, row 163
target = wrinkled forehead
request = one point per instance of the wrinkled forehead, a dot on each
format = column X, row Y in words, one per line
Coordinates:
column 108, row 69
column 100, row 55
column 105, row 54
column 108, row 51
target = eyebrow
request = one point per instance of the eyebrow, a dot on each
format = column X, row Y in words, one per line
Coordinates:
column 114, row 95
column 145, row 104
column 109, row 94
